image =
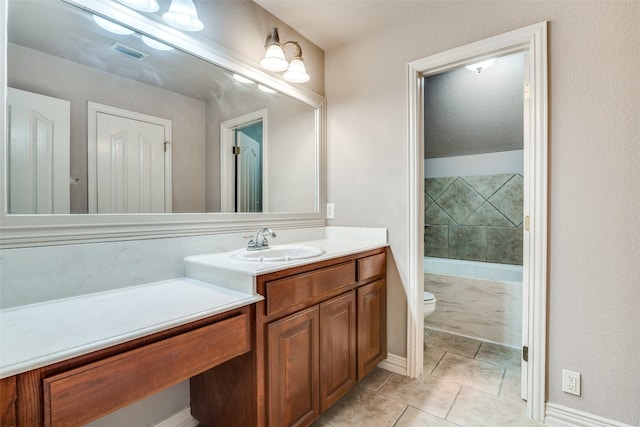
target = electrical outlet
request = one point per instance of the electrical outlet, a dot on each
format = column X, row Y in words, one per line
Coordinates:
column 571, row 382
column 331, row 211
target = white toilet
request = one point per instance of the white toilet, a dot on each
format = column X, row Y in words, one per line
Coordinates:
column 429, row 304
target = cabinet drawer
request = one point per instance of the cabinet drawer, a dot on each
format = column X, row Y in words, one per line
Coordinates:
column 372, row 266
column 92, row 391
column 302, row 290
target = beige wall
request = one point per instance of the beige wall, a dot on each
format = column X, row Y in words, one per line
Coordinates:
column 594, row 154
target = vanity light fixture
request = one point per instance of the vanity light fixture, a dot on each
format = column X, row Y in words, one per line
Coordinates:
column 148, row 6
column 182, row 15
column 274, row 59
column 112, row 27
column 481, row 66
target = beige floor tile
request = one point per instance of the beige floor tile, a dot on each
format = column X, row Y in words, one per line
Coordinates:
column 473, row 408
column 511, row 385
column 363, row 406
column 453, row 343
column 321, row 423
column 472, row 373
column 427, row 331
column 499, row 355
column 376, row 378
column 428, row 393
column 413, row 417
column 431, row 358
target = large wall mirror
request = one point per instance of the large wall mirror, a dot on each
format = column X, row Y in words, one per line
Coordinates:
column 108, row 132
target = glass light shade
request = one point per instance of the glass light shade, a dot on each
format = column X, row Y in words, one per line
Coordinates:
column 274, row 59
column 155, row 44
column 296, row 72
column 481, row 66
column 182, row 15
column 112, row 27
column 149, row 6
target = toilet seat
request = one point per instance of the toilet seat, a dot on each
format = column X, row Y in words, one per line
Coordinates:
column 428, row 296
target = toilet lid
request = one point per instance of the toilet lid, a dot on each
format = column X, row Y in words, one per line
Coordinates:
column 428, row 296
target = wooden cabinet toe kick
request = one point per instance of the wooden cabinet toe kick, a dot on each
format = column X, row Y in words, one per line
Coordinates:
column 89, row 392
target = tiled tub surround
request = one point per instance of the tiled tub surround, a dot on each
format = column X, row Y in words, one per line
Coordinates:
column 486, row 309
column 477, row 218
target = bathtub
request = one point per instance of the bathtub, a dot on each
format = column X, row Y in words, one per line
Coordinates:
column 476, row 299
column 473, row 269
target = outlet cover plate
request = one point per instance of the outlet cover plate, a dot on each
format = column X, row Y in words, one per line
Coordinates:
column 571, row 382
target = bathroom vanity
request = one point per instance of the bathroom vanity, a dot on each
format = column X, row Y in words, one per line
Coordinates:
column 320, row 328
column 275, row 344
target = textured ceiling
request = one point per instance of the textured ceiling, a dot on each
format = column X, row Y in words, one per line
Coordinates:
column 475, row 113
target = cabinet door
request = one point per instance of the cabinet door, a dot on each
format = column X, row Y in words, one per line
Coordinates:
column 337, row 348
column 8, row 402
column 294, row 369
column 372, row 326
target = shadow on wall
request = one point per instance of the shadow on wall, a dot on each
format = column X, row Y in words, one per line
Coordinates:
column 475, row 218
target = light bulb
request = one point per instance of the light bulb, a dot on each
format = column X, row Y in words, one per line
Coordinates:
column 182, row 15
column 296, row 72
column 274, row 59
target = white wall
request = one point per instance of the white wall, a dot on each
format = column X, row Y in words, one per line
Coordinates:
column 475, row 164
column 594, row 119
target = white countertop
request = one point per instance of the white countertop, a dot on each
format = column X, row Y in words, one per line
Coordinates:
column 37, row 335
column 240, row 275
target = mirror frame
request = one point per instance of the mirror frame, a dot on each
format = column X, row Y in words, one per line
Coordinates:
column 45, row 230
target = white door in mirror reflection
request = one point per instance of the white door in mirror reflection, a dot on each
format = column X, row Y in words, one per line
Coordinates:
column 129, row 161
column 248, row 161
column 38, row 153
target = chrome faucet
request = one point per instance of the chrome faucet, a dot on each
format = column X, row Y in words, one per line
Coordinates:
column 260, row 242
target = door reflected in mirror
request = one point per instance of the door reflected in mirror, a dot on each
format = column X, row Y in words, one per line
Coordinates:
column 145, row 129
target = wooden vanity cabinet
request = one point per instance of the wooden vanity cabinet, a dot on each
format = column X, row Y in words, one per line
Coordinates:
column 337, row 348
column 79, row 390
column 8, row 402
column 294, row 368
column 323, row 328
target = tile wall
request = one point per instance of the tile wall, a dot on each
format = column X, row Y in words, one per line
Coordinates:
column 475, row 218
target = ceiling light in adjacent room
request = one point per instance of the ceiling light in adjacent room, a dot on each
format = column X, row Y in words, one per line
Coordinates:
column 481, row 66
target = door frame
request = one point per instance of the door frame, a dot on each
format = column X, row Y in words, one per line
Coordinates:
column 534, row 40
column 93, row 108
column 227, row 191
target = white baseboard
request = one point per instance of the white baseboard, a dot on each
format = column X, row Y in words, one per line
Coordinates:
column 562, row 416
column 179, row 419
column 394, row 364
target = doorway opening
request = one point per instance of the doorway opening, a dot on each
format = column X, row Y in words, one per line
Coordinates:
column 532, row 41
column 243, row 148
column 473, row 231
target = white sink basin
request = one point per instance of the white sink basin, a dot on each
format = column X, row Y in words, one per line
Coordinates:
column 277, row 254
